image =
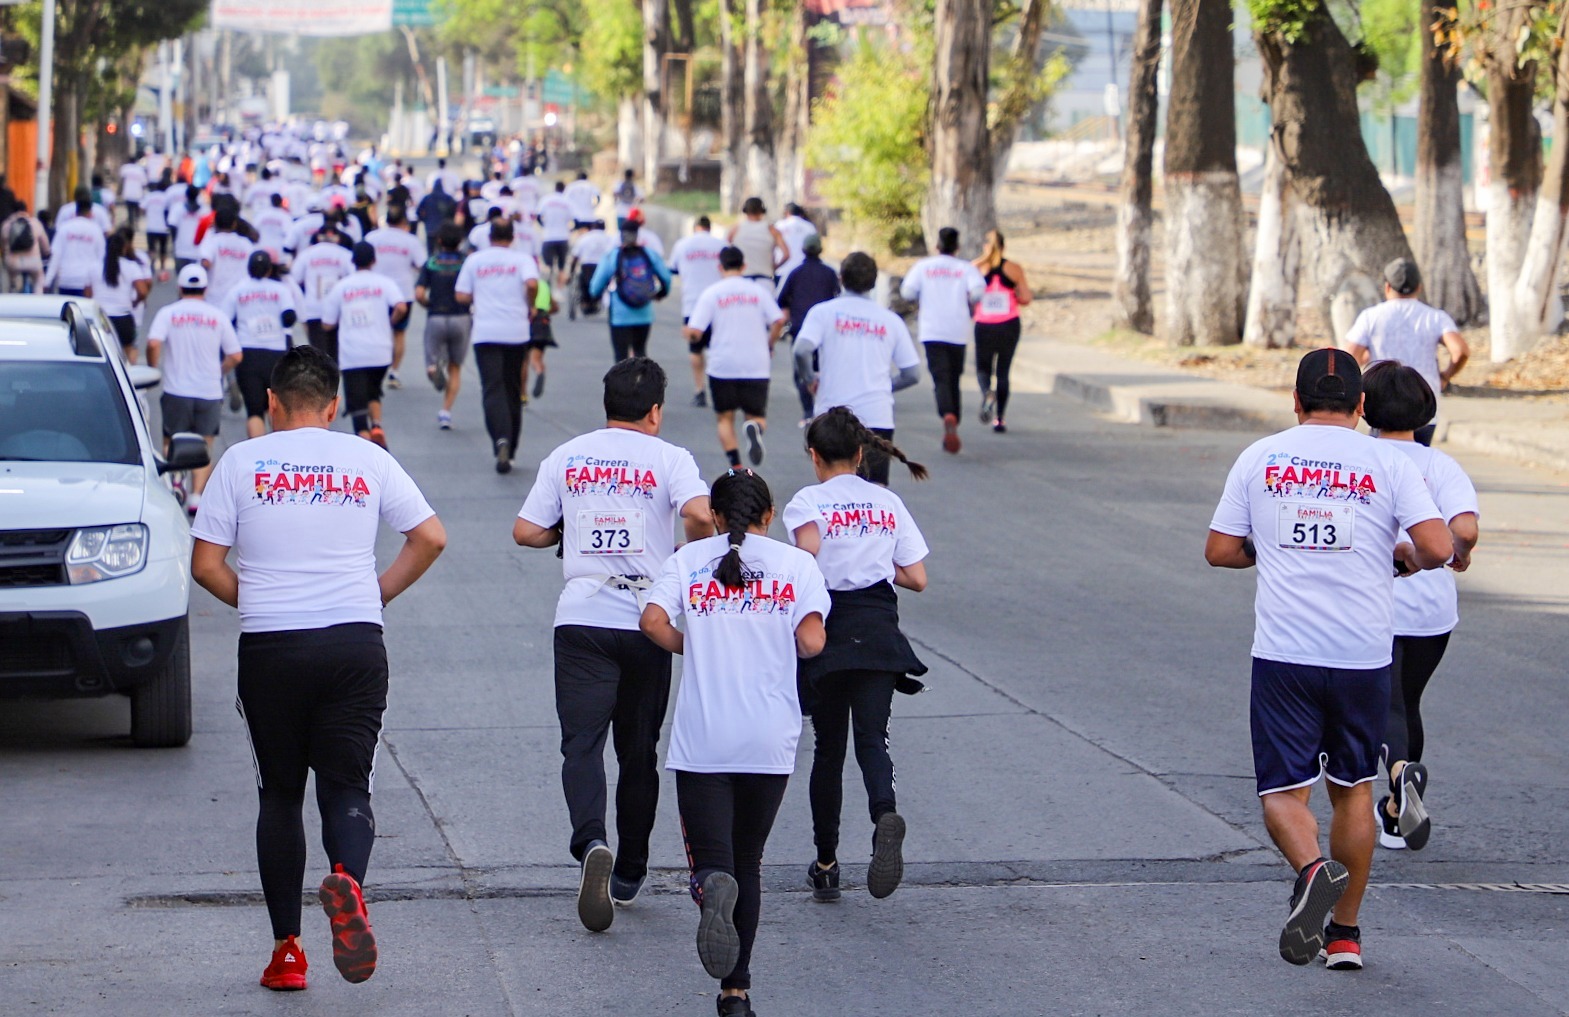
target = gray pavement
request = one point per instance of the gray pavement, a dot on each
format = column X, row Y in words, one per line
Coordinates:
column 1083, row 833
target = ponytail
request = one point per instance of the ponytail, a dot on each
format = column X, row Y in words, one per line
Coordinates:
column 743, row 499
column 838, row 436
column 113, row 251
column 991, row 256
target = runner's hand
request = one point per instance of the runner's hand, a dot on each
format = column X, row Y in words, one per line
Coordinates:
column 1461, row 561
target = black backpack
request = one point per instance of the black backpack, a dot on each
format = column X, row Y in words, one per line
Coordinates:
column 636, row 282
column 20, row 240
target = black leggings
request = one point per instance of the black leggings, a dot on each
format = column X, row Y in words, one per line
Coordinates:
column 361, row 387
column 312, row 700
column 995, row 344
column 501, row 390
column 946, row 362
column 1415, row 660
column 324, row 339
column 726, row 819
column 850, row 700
column 629, row 341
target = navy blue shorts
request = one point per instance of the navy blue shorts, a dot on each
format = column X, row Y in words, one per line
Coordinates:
column 1311, row 722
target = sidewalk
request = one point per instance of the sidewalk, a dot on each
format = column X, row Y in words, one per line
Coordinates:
column 1508, row 425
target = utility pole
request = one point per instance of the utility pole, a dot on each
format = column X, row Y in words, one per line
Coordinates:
column 45, row 106
column 443, row 127
column 165, row 99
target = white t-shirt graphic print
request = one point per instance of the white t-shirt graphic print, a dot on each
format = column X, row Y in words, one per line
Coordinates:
column 360, row 306
column 497, row 278
column 256, row 307
column 741, row 313
column 1325, row 506
column 618, row 494
column 856, row 341
column 737, row 710
column 865, row 531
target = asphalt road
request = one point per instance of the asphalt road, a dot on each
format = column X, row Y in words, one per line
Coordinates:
column 1084, row 837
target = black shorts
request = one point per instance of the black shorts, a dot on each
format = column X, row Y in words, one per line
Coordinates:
column 1310, row 722
column 582, row 224
column 540, row 335
column 254, row 375
column 125, row 328
column 183, row 414
column 748, row 395
column 314, row 697
column 554, row 252
column 361, row 387
column 698, row 345
column 158, row 244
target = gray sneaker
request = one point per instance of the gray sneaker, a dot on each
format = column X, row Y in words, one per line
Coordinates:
column 624, row 891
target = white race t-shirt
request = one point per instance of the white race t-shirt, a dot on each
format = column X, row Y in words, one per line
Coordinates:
column 1325, row 506
column 855, row 341
column 696, row 260
column 498, row 277
column 301, row 508
column 256, row 307
column 555, row 217
column 196, row 336
column 945, row 287
column 399, row 255
column 794, row 230
column 865, row 531
column 155, row 206
column 183, row 222
column 740, row 312
column 133, row 181
column 1428, row 603
column 359, row 305
column 116, row 301
column 618, row 494
column 227, row 256
column 479, row 236
column 525, row 191
column 77, row 254
column 592, row 246
column 737, row 711
column 584, row 197
column 273, row 226
column 1406, row 331
column 316, row 272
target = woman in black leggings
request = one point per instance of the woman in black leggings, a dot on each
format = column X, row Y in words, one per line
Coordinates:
column 997, row 327
column 1398, row 402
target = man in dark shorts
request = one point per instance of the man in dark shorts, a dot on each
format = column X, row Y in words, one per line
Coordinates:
column 313, row 670
column 1319, row 509
column 746, row 324
column 263, row 311
column 194, row 345
column 448, row 326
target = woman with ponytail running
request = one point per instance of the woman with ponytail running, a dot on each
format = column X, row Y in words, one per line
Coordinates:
column 997, row 327
column 752, row 606
column 865, row 543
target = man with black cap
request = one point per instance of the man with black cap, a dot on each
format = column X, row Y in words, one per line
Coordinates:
column 1319, row 508
column 1408, row 331
column 805, row 286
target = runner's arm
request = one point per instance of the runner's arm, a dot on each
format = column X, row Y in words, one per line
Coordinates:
column 1224, row 551
column 421, row 546
column 809, row 538
column 527, row 534
column 810, row 636
column 210, row 569
column 697, row 519
column 1431, row 546
column 1459, row 353
column 906, row 377
column 912, row 577
column 655, row 624
column 1463, row 530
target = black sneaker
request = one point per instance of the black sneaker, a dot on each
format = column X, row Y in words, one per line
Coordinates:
column 593, row 890
column 754, row 442
column 437, row 376
column 735, row 1006
column 1415, row 826
column 624, row 891
column 539, row 384
column 700, row 400
column 718, row 941
column 887, row 867
column 824, row 882
column 1342, row 947
column 988, row 408
column 1317, row 889
column 504, row 461
column 1388, row 827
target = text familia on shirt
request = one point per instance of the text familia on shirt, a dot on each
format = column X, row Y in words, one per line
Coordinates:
column 282, row 483
column 865, row 531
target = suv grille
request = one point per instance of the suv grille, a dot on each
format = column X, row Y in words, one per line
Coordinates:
column 32, row 558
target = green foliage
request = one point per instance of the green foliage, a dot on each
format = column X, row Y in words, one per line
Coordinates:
column 868, row 138
column 612, row 48
column 599, row 42
column 358, row 76
column 1288, row 19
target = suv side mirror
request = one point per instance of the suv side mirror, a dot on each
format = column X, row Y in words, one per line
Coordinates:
column 186, row 452
column 143, row 377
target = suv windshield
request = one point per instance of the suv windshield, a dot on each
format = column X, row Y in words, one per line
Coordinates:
column 53, row 411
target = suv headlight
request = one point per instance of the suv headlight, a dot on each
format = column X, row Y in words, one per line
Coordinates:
column 106, row 552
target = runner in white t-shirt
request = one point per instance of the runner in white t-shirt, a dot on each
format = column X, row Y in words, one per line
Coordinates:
column 263, row 311
column 854, row 342
column 75, row 255
column 587, row 251
column 1319, row 508
column 225, row 253
column 611, row 498
column 556, row 220
column 194, row 345
column 1427, row 608
column 501, row 284
column 795, row 227
column 866, row 543
column 399, row 256
column 184, row 216
column 695, row 259
column 273, row 225
column 584, row 198
column 133, row 188
column 155, row 205
column 123, row 295
column 301, row 509
column 751, row 607
column 746, row 324
column 361, row 308
column 1408, row 331
column 947, row 288
column 316, row 270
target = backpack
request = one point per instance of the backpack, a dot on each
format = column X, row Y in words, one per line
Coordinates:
column 636, row 283
column 20, row 240
column 627, row 193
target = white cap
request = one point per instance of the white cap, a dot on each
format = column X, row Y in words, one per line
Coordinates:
column 193, row 277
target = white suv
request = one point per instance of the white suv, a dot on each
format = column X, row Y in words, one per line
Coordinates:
column 94, row 548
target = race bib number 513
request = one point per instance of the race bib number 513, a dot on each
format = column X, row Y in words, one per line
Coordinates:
column 610, row 532
column 1315, row 526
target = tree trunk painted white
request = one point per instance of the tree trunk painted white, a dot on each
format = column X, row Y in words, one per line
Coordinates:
column 732, row 63
column 629, row 133
column 1335, row 257
column 962, row 193
column 761, row 173
column 1509, row 216
column 1271, row 321
column 656, row 42
column 796, row 115
column 1204, row 297
column 1131, row 285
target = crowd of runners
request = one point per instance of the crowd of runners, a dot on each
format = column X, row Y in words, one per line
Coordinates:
column 262, row 239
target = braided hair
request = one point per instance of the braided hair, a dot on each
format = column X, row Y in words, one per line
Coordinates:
column 743, row 499
column 838, row 436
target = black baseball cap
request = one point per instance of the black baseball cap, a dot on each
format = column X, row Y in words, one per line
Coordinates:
column 1403, row 276
column 1329, row 374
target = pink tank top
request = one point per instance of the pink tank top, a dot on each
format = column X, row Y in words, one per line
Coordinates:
column 999, row 302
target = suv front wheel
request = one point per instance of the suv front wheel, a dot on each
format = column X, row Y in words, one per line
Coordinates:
column 161, row 708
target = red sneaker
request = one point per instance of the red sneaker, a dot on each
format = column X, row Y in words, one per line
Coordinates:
column 378, row 436
column 950, row 433
column 286, row 973
column 353, row 944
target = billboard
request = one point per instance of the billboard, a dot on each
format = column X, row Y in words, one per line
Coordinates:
column 304, row 17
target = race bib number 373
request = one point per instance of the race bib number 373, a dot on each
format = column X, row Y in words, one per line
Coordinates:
column 610, row 532
column 1315, row 526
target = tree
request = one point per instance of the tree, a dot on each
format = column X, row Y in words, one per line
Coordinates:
column 790, row 145
column 962, row 193
column 1271, row 320
column 1131, row 287
column 656, row 43
column 759, row 105
column 1023, row 82
column 1440, row 238
column 1205, row 277
column 1350, row 229
column 732, row 150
